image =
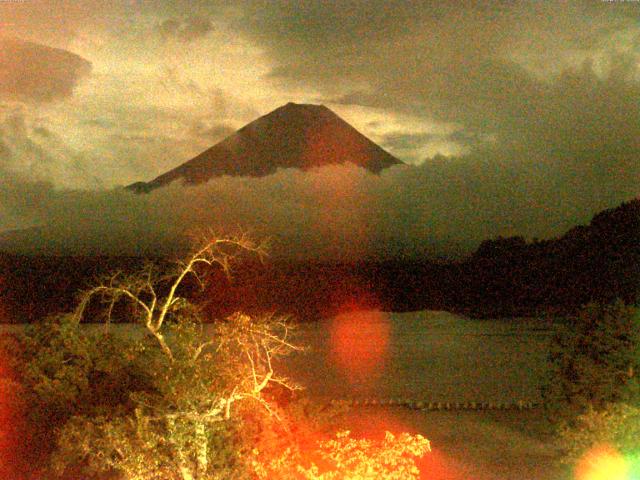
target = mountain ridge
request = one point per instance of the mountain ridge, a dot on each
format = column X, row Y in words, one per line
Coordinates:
column 294, row 135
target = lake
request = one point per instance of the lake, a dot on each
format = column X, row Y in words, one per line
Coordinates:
column 433, row 356
column 427, row 355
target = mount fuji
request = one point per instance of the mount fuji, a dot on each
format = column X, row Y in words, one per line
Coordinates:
column 300, row 136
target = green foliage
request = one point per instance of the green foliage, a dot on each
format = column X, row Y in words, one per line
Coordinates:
column 62, row 371
column 594, row 360
column 76, row 370
column 183, row 423
column 617, row 426
column 160, row 400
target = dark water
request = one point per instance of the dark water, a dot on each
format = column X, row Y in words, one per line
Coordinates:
column 431, row 356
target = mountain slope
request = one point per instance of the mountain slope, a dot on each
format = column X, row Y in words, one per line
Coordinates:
column 595, row 262
column 292, row 136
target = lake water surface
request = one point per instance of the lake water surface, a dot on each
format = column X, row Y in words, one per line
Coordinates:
column 427, row 355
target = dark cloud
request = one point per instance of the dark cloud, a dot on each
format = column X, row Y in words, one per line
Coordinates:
column 445, row 206
column 543, row 95
column 187, row 29
column 30, row 71
column 213, row 133
column 472, row 64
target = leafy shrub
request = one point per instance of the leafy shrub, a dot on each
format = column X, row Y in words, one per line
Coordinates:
column 616, row 426
column 61, row 371
column 594, row 360
column 185, row 424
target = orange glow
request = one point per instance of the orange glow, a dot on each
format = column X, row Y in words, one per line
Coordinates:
column 437, row 466
column 373, row 424
column 358, row 343
column 16, row 450
column 602, row 462
column 340, row 199
column 330, row 145
column 367, row 447
column 9, row 428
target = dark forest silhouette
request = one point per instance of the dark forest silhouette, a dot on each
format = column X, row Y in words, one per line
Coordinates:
column 504, row 277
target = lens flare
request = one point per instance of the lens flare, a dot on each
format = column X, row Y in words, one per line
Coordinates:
column 603, row 462
column 358, row 343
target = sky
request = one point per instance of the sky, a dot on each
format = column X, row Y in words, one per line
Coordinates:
column 513, row 117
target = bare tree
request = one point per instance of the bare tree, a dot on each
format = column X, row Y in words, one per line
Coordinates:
column 141, row 288
column 196, row 379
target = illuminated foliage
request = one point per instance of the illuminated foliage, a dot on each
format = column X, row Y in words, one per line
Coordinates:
column 160, row 399
column 604, row 444
column 347, row 458
column 60, row 371
column 185, row 423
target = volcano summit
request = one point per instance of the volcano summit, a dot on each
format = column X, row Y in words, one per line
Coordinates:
column 292, row 136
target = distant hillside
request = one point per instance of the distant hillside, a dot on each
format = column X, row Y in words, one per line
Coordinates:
column 505, row 277
column 600, row 261
column 292, row 136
